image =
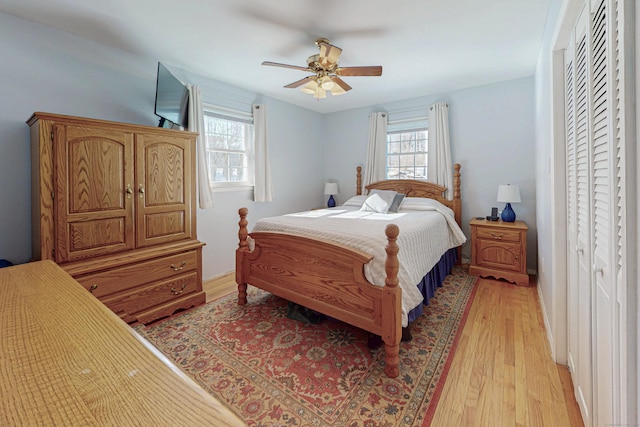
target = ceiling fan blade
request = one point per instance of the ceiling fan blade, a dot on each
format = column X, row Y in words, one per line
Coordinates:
column 337, row 80
column 374, row 70
column 329, row 54
column 276, row 64
column 300, row 82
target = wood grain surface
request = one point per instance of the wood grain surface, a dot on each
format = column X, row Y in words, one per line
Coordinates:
column 65, row 359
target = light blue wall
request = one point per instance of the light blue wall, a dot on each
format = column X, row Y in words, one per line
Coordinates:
column 52, row 71
column 48, row 70
column 492, row 136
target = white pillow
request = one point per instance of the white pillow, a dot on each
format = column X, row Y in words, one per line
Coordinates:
column 378, row 201
column 423, row 204
column 356, row 201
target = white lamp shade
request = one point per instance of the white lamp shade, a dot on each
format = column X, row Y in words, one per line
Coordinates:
column 509, row 193
column 310, row 87
column 331, row 188
column 337, row 90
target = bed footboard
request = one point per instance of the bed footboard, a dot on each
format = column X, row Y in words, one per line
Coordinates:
column 325, row 277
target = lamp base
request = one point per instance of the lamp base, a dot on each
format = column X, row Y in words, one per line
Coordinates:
column 508, row 215
column 332, row 202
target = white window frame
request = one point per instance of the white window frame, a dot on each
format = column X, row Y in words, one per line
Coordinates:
column 235, row 116
column 411, row 125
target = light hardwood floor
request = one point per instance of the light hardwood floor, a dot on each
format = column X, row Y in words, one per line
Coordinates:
column 502, row 373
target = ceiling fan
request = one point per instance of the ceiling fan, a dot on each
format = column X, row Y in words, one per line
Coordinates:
column 326, row 72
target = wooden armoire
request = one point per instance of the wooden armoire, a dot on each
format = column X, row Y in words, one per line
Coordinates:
column 114, row 205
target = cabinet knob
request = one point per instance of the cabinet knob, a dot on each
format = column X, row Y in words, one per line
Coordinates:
column 93, row 288
column 141, row 190
column 129, row 189
column 497, row 236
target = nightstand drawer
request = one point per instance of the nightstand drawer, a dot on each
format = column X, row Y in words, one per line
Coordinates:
column 498, row 234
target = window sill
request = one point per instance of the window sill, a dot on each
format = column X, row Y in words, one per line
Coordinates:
column 227, row 188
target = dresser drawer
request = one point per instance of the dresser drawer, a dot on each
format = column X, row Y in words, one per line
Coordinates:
column 490, row 233
column 133, row 275
column 127, row 303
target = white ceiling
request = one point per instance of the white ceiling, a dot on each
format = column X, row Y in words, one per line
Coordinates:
column 424, row 46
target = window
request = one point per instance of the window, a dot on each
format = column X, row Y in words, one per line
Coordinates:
column 229, row 146
column 407, row 149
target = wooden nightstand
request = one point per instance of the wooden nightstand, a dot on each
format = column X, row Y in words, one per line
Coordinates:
column 499, row 249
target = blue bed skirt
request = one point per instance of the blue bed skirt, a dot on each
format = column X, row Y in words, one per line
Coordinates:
column 433, row 280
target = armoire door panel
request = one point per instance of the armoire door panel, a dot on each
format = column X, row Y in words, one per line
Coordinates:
column 164, row 224
column 164, row 178
column 93, row 171
column 97, row 233
column 164, row 172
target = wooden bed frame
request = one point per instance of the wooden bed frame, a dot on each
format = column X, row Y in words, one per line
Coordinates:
column 328, row 277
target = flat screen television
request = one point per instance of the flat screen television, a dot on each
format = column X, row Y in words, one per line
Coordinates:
column 172, row 99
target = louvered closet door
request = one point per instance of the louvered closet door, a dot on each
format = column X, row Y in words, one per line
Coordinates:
column 602, row 202
column 600, row 319
column 625, row 398
column 572, row 232
column 581, row 276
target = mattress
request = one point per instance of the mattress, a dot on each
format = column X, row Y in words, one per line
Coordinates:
column 425, row 235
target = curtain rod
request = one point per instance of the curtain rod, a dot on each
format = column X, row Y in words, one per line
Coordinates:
column 412, row 119
column 408, row 110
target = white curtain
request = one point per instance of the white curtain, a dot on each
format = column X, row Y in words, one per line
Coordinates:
column 440, row 166
column 263, row 187
column 376, row 166
column 196, row 124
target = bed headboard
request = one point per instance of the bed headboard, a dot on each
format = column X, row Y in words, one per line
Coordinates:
column 418, row 188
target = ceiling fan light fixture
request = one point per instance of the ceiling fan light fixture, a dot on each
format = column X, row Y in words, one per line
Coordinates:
column 336, row 90
column 320, row 93
column 309, row 88
column 327, row 83
column 326, row 72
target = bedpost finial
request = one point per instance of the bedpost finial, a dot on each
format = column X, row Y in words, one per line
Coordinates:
column 392, row 231
column 242, row 230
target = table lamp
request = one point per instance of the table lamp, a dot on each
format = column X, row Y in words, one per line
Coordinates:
column 509, row 194
column 331, row 188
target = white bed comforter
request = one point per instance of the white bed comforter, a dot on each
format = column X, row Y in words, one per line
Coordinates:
column 424, row 237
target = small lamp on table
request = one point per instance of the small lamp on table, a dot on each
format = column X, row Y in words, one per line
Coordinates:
column 509, row 194
column 331, row 188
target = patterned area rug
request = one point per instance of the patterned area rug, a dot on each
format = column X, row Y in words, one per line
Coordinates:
column 273, row 371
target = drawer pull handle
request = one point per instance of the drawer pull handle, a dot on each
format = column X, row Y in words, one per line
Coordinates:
column 182, row 264
column 93, row 288
column 497, row 236
column 178, row 292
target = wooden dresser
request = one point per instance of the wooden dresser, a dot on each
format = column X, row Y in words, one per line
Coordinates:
column 499, row 249
column 114, row 205
column 69, row 361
